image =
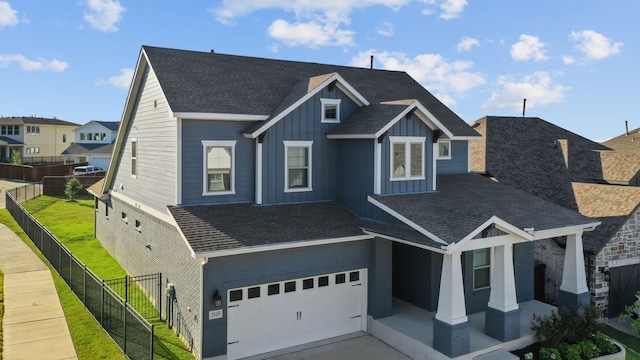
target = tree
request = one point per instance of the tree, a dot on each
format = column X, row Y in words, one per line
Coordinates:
column 72, row 188
column 16, row 159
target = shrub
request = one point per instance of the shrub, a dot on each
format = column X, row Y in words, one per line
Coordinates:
column 72, row 188
column 549, row 354
column 570, row 326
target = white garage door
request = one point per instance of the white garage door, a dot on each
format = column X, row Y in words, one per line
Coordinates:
column 278, row 315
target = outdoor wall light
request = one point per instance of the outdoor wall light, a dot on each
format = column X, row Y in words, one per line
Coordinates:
column 604, row 270
column 217, row 299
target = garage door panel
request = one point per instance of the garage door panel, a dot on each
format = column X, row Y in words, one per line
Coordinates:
column 295, row 312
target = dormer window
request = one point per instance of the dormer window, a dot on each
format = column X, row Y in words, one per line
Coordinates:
column 444, row 149
column 407, row 157
column 330, row 110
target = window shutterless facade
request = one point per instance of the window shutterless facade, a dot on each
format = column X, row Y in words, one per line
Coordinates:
column 330, row 110
column 407, row 157
column 297, row 166
column 219, row 167
column 444, row 149
column 134, row 157
column 481, row 269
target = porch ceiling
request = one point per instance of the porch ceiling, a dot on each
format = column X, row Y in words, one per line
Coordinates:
column 464, row 203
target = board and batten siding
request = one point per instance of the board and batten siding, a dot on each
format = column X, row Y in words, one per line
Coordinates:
column 413, row 127
column 304, row 124
column 356, row 174
column 155, row 131
column 459, row 162
column 193, row 133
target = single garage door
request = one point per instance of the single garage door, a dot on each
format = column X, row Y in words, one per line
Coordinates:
column 278, row 315
column 624, row 282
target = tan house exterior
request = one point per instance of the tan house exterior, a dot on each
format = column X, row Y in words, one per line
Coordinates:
column 36, row 139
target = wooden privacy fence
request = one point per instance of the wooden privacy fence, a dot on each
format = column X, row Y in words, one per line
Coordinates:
column 35, row 173
column 54, row 185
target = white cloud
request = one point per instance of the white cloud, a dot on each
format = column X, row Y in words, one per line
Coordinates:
column 466, row 43
column 8, row 16
column 435, row 73
column 529, row 47
column 317, row 23
column 386, row 29
column 452, row 8
column 32, row 65
column 594, row 45
column 537, row 88
column 123, row 80
column 568, row 60
column 103, row 15
column 312, row 34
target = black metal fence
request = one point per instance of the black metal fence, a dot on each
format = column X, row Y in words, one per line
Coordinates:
column 143, row 292
column 130, row 330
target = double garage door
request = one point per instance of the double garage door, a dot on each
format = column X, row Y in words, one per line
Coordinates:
column 278, row 315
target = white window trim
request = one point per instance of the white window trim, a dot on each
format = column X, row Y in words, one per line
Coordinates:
column 490, row 266
column 287, row 145
column 326, row 102
column 218, row 143
column 448, row 157
column 407, row 141
column 135, row 140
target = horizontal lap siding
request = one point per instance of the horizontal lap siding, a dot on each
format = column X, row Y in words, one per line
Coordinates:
column 193, row 132
column 303, row 124
column 407, row 127
column 156, row 134
column 459, row 162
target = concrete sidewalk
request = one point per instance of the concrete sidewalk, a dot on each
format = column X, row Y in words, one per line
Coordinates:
column 34, row 325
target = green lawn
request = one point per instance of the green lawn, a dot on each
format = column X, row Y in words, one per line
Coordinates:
column 73, row 224
column 631, row 342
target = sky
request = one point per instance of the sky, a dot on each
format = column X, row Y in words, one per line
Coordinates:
column 574, row 61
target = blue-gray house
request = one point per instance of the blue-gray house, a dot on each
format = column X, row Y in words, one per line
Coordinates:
column 289, row 202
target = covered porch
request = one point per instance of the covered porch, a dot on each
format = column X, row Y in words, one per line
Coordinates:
column 410, row 330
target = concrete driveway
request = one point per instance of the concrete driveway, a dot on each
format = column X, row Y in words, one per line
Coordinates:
column 349, row 347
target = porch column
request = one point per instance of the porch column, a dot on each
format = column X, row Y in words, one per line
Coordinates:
column 573, row 290
column 451, row 325
column 502, row 318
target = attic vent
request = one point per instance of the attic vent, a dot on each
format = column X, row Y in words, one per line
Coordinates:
column 213, row 51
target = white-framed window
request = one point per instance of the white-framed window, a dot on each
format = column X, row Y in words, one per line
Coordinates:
column 134, row 157
column 481, row 269
column 83, row 136
column 219, row 167
column 407, row 157
column 297, row 169
column 330, row 110
column 444, row 149
column 33, row 130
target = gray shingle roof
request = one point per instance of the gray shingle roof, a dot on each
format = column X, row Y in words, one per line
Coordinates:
column 234, row 226
column 5, row 140
column 368, row 120
column 77, row 149
column 205, row 82
column 464, row 202
column 111, row 125
column 16, row 120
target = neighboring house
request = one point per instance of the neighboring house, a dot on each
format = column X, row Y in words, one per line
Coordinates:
column 569, row 170
column 288, row 202
column 36, row 139
column 93, row 143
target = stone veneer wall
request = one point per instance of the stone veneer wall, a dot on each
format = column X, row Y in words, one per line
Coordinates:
column 551, row 254
column 623, row 249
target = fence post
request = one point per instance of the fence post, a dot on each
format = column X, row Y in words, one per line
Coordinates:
column 160, row 296
column 125, row 328
column 151, row 345
column 126, row 288
column 84, row 286
column 102, row 304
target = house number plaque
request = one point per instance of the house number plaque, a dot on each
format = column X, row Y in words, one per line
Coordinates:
column 215, row 314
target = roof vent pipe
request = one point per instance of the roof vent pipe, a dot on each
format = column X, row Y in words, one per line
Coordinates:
column 524, row 106
column 626, row 125
column 213, row 51
column 371, row 66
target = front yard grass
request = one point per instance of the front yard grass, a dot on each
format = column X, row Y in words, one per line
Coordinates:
column 73, row 224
